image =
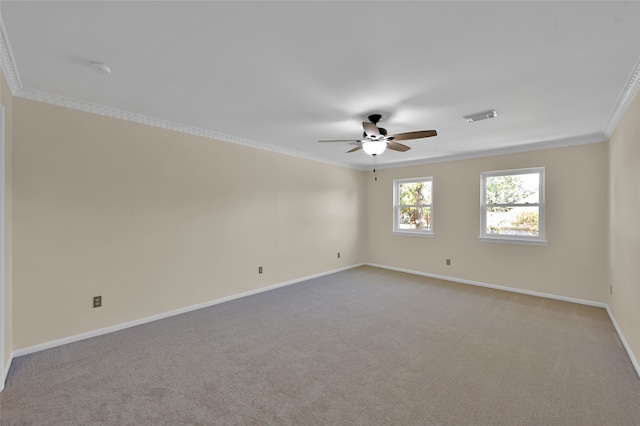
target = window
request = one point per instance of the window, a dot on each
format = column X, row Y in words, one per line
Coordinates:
column 413, row 206
column 512, row 206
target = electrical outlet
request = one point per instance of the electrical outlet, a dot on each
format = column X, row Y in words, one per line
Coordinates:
column 97, row 301
column 260, row 269
column 338, row 255
column 448, row 262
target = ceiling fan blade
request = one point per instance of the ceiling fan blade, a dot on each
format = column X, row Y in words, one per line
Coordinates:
column 414, row 135
column 370, row 129
column 342, row 140
column 395, row 146
column 357, row 148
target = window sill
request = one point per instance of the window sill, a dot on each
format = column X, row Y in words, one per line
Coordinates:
column 507, row 240
column 428, row 234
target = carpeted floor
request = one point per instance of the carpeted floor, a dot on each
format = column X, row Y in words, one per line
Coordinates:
column 360, row 347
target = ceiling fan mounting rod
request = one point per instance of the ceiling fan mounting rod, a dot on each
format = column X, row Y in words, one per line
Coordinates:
column 374, row 118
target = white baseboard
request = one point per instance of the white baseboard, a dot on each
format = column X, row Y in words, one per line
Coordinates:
column 632, row 357
column 494, row 286
column 5, row 372
column 122, row 326
column 94, row 333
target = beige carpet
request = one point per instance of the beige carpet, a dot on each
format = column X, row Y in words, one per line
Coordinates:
column 361, row 347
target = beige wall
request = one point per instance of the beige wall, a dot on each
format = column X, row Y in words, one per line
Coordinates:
column 624, row 229
column 7, row 102
column 572, row 265
column 155, row 220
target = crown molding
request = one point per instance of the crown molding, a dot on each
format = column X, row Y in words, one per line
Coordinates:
column 9, row 70
column 534, row 146
column 48, row 98
column 624, row 100
column 7, row 63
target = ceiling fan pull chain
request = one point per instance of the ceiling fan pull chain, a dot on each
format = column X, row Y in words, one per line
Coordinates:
column 374, row 168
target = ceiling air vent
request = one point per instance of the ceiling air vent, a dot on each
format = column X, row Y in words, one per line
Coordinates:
column 481, row 116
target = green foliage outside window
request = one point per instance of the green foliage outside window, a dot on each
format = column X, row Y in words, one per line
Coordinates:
column 414, row 198
column 527, row 221
column 510, row 189
column 506, row 190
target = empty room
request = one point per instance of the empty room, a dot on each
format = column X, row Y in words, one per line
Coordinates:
column 319, row 212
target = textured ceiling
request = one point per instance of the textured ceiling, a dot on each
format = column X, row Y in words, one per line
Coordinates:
column 283, row 75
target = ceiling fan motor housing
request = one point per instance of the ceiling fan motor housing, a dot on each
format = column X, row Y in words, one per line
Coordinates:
column 383, row 132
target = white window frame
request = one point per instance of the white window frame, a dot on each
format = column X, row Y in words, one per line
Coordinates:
column 396, row 209
column 513, row 239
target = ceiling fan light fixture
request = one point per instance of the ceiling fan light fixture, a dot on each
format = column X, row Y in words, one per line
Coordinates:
column 374, row 147
column 481, row 116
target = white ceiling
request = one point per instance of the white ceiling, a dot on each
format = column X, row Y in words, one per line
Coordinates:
column 287, row 74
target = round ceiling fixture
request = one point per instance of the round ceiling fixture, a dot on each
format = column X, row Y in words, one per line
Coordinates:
column 101, row 68
column 374, row 147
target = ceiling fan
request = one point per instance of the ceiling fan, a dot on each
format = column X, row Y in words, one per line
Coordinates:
column 375, row 140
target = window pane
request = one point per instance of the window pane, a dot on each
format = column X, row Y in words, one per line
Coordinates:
column 415, row 218
column 415, row 193
column 513, row 221
column 513, row 189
